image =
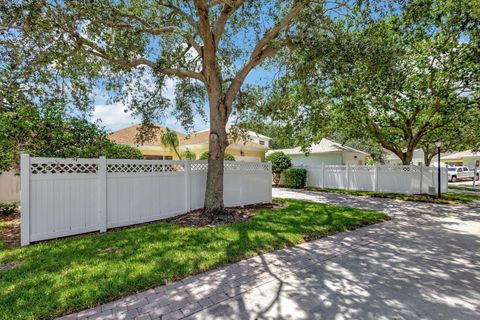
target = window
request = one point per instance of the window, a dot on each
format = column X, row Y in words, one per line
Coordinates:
column 465, row 169
column 168, row 158
column 460, row 170
column 149, row 157
column 261, row 142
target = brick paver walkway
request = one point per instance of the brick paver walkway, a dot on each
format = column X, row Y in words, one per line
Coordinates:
column 357, row 274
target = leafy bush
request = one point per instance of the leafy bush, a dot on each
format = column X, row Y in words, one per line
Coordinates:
column 188, row 154
column 280, row 162
column 295, row 178
column 228, row 156
column 7, row 208
column 123, row 151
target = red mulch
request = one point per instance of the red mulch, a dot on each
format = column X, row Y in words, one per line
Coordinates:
column 10, row 233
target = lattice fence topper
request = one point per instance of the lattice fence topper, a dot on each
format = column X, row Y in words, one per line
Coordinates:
column 231, row 166
column 330, row 169
column 63, row 168
column 394, row 168
column 255, row 166
column 144, row 168
column 133, row 168
column 199, row 166
column 362, row 169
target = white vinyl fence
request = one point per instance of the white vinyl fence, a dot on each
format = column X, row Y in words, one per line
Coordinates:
column 63, row 197
column 395, row 179
column 9, row 187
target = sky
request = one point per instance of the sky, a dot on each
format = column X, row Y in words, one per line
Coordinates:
column 113, row 116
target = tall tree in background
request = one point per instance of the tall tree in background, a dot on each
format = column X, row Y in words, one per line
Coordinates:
column 134, row 47
column 402, row 80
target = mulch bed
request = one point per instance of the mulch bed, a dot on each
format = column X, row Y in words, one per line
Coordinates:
column 10, row 233
column 196, row 218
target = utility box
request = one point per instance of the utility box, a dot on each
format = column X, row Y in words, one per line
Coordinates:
column 432, row 190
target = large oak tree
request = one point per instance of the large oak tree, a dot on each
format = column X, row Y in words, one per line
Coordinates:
column 133, row 47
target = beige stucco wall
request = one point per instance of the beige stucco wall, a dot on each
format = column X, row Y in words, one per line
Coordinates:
column 248, row 154
column 157, row 151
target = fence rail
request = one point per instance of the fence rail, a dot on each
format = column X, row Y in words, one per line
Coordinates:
column 396, row 179
column 63, row 197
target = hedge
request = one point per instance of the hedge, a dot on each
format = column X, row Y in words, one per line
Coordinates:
column 228, row 156
column 295, row 178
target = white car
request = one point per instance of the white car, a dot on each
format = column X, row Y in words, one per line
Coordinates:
column 460, row 173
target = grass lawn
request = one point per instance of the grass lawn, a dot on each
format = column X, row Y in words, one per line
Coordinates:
column 58, row 277
column 466, row 188
column 2, row 226
column 447, row 198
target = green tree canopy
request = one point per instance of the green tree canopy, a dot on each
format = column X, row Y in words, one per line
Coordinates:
column 169, row 139
column 132, row 48
column 52, row 133
column 123, row 151
column 227, row 156
column 189, row 154
column 280, row 162
column 402, row 79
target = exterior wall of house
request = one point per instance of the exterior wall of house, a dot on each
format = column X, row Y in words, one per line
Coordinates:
column 259, row 140
column 354, row 158
column 415, row 161
column 466, row 161
column 157, row 151
column 332, row 158
column 248, row 154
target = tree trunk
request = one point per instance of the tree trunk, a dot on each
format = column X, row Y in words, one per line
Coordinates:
column 217, row 144
column 427, row 158
column 408, row 156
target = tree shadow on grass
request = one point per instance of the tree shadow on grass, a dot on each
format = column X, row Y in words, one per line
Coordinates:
column 61, row 276
column 424, row 264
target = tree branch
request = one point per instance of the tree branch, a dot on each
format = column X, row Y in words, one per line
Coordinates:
column 148, row 28
column 228, row 9
column 261, row 52
column 95, row 50
column 190, row 20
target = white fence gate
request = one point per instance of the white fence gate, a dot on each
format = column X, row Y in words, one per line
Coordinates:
column 63, row 197
column 9, row 187
column 395, row 179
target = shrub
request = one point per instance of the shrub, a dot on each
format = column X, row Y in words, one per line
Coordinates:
column 280, row 162
column 7, row 208
column 123, row 151
column 295, row 178
column 188, row 154
column 228, row 156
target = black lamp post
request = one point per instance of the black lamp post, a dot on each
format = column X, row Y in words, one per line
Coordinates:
column 439, row 144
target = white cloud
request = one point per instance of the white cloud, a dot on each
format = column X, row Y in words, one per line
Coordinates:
column 113, row 116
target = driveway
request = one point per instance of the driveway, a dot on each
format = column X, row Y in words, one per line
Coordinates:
column 423, row 264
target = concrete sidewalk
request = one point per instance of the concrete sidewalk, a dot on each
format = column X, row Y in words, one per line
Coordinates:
column 424, row 264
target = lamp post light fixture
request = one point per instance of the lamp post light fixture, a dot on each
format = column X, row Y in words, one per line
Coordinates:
column 439, row 145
